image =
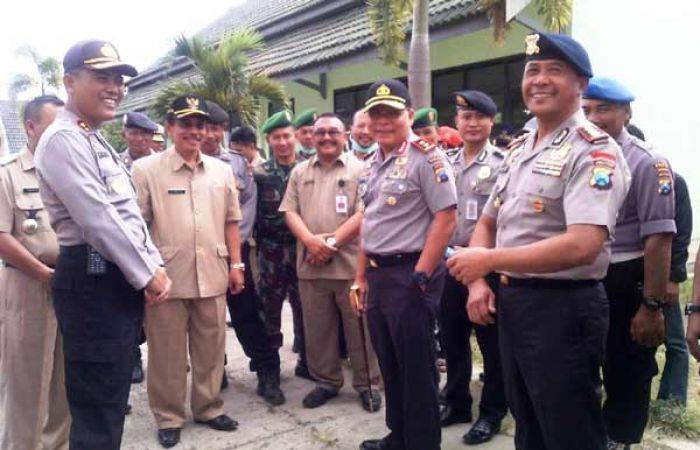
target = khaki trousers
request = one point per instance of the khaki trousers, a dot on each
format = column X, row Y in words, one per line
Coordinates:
column 325, row 303
column 170, row 328
column 33, row 406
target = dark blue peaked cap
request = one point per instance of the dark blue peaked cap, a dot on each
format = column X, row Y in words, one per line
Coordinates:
column 559, row 46
column 609, row 90
column 138, row 120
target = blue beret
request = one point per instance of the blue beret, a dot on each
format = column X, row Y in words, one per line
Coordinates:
column 137, row 120
column 559, row 46
column 609, row 90
column 476, row 100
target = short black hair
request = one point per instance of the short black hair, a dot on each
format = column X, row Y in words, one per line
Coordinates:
column 331, row 115
column 244, row 135
column 32, row 109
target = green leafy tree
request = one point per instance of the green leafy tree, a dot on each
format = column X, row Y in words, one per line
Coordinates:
column 388, row 21
column 224, row 76
column 112, row 131
column 48, row 70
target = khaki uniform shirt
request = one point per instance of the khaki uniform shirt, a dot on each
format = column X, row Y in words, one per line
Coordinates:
column 325, row 197
column 474, row 182
column 576, row 175
column 20, row 203
column 90, row 198
column 401, row 194
column 186, row 209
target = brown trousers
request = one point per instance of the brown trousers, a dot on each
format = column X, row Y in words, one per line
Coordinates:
column 170, row 328
column 33, row 406
column 325, row 303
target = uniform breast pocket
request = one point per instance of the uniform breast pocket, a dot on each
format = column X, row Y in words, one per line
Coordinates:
column 119, row 187
column 551, row 188
column 32, row 209
column 485, row 187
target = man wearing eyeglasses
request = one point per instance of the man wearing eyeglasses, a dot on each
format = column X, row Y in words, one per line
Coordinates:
column 324, row 212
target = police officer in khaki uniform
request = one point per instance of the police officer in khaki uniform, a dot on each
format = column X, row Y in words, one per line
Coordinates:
column 409, row 195
column 324, row 212
column 639, row 271
column 106, row 259
column 32, row 386
column 476, row 168
column 547, row 228
column 190, row 203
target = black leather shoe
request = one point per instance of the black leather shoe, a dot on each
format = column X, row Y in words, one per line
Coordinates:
column 137, row 373
column 386, row 443
column 318, row 397
column 169, row 437
column 220, row 423
column 224, row 381
column 269, row 388
column 482, row 431
column 450, row 416
column 371, row 400
column 302, row 371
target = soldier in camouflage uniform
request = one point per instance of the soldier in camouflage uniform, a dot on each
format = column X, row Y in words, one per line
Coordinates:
column 276, row 244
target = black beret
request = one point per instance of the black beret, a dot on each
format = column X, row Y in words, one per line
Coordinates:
column 561, row 47
column 244, row 134
column 217, row 115
column 476, row 100
column 138, row 120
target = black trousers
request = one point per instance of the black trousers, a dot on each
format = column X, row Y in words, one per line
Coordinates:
column 400, row 318
column 100, row 318
column 455, row 329
column 629, row 367
column 248, row 322
column 552, row 344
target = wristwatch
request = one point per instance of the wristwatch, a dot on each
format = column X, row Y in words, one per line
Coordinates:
column 420, row 279
column 330, row 240
column 653, row 303
column 692, row 308
column 238, row 266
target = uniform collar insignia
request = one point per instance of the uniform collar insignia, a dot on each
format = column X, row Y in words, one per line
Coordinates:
column 560, row 137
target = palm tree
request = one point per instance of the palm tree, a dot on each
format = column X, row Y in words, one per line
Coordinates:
column 224, row 76
column 388, row 19
column 48, row 68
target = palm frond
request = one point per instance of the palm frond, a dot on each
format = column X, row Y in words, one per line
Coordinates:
column 556, row 13
column 388, row 19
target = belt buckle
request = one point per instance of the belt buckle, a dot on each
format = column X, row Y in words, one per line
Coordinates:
column 373, row 264
column 504, row 280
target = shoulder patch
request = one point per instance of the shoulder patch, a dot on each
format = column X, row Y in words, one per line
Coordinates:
column 6, row 160
column 423, row 146
column 592, row 134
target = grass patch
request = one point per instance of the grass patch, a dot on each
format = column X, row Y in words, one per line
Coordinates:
column 672, row 419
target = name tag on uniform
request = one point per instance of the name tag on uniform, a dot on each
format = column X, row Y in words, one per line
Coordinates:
column 471, row 210
column 176, row 191
column 30, row 190
column 341, row 204
column 101, row 154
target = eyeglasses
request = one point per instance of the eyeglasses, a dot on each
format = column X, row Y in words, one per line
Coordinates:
column 332, row 133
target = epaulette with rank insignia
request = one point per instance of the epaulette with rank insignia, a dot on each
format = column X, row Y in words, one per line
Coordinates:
column 5, row 160
column 423, row 146
column 592, row 134
column 518, row 141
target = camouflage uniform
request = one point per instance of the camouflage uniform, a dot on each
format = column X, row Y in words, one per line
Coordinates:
column 276, row 252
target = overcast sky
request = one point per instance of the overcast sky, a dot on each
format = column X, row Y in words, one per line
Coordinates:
column 650, row 45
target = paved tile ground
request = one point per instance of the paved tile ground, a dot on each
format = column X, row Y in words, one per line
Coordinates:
column 340, row 424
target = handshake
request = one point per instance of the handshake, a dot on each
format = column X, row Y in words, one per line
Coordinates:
column 158, row 289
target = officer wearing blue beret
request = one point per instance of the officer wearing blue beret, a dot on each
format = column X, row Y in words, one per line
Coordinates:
column 640, row 257
column 547, row 229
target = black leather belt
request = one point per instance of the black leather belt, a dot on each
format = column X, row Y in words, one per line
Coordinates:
column 73, row 250
column 545, row 283
column 397, row 259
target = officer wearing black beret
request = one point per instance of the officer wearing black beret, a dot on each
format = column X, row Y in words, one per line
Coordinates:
column 138, row 133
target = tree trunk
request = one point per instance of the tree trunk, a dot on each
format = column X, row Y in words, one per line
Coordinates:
column 419, row 57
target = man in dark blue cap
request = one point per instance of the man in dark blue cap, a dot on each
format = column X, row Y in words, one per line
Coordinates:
column 138, row 133
column 476, row 168
column 106, row 260
column 547, row 228
column 410, row 211
column 638, row 275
